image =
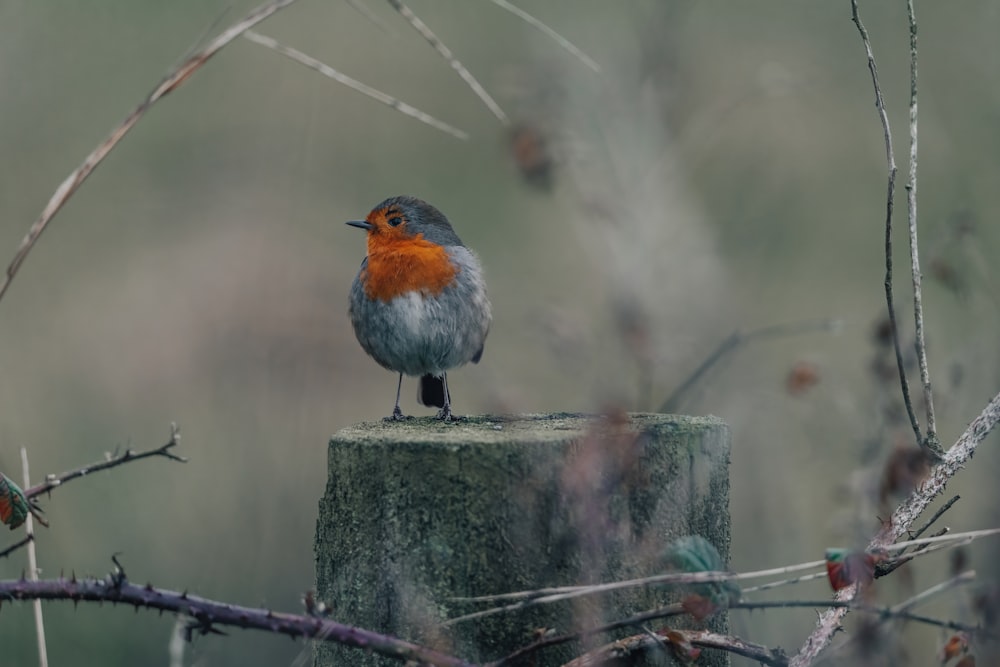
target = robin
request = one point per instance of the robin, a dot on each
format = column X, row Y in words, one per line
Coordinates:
column 418, row 303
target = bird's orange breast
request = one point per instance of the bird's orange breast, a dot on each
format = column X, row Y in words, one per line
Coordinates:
column 400, row 265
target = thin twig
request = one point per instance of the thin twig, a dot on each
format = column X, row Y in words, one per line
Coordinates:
column 677, row 610
column 559, row 39
column 784, row 582
column 363, row 9
column 965, row 537
column 736, row 340
column 17, row 545
column 881, row 612
column 902, row 518
column 570, row 592
column 353, row 84
column 171, row 82
column 937, row 515
column 549, row 595
column 29, row 528
column 206, row 614
column 446, row 53
column 931, row 441
column 128, row 456
column 890, row 194
column 958, row 580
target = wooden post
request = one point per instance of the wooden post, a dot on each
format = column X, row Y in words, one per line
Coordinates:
column 419, row 512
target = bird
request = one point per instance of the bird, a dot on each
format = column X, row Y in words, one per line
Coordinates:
column 418, row 304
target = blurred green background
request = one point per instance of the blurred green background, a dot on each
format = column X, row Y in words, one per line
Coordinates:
column 725, row 170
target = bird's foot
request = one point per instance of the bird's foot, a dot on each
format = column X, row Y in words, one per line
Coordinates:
column 396, row 416
column 444, row 414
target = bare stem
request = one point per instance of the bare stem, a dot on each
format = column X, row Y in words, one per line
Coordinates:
column 890, row 194
column 206, row 615
column 128, row 456
column 29, row 528
column 911, row 215
column 353, row 84
column 172, row 81
column 556, row 37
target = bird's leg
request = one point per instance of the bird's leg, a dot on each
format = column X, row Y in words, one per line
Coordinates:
column 397, row 414
column 444, row 414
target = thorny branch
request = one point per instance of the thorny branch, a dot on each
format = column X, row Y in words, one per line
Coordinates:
column 902, row 518
column 128, row 456
column 207, row 615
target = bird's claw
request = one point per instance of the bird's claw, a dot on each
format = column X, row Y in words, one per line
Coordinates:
column 396, row 416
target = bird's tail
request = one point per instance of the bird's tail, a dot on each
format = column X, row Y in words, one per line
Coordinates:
column 430, row 391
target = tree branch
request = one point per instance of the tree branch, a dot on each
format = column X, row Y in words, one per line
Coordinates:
column 128, row 456
column 207, row 614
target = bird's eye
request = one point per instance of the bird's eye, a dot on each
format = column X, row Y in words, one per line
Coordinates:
column 395, row 221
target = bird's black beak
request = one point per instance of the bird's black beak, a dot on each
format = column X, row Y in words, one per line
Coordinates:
column 361, row 224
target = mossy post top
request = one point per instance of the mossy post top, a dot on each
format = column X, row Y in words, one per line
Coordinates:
column 486, row 429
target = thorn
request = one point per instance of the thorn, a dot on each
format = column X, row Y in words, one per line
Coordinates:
column 149, row 587
column 118, row 577
column 73, row 579
column 184, row 595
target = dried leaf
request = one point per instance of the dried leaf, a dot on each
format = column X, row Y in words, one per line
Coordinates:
column 803, row 377
column 906, row 467
column 956, row 645
column 682, row 647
